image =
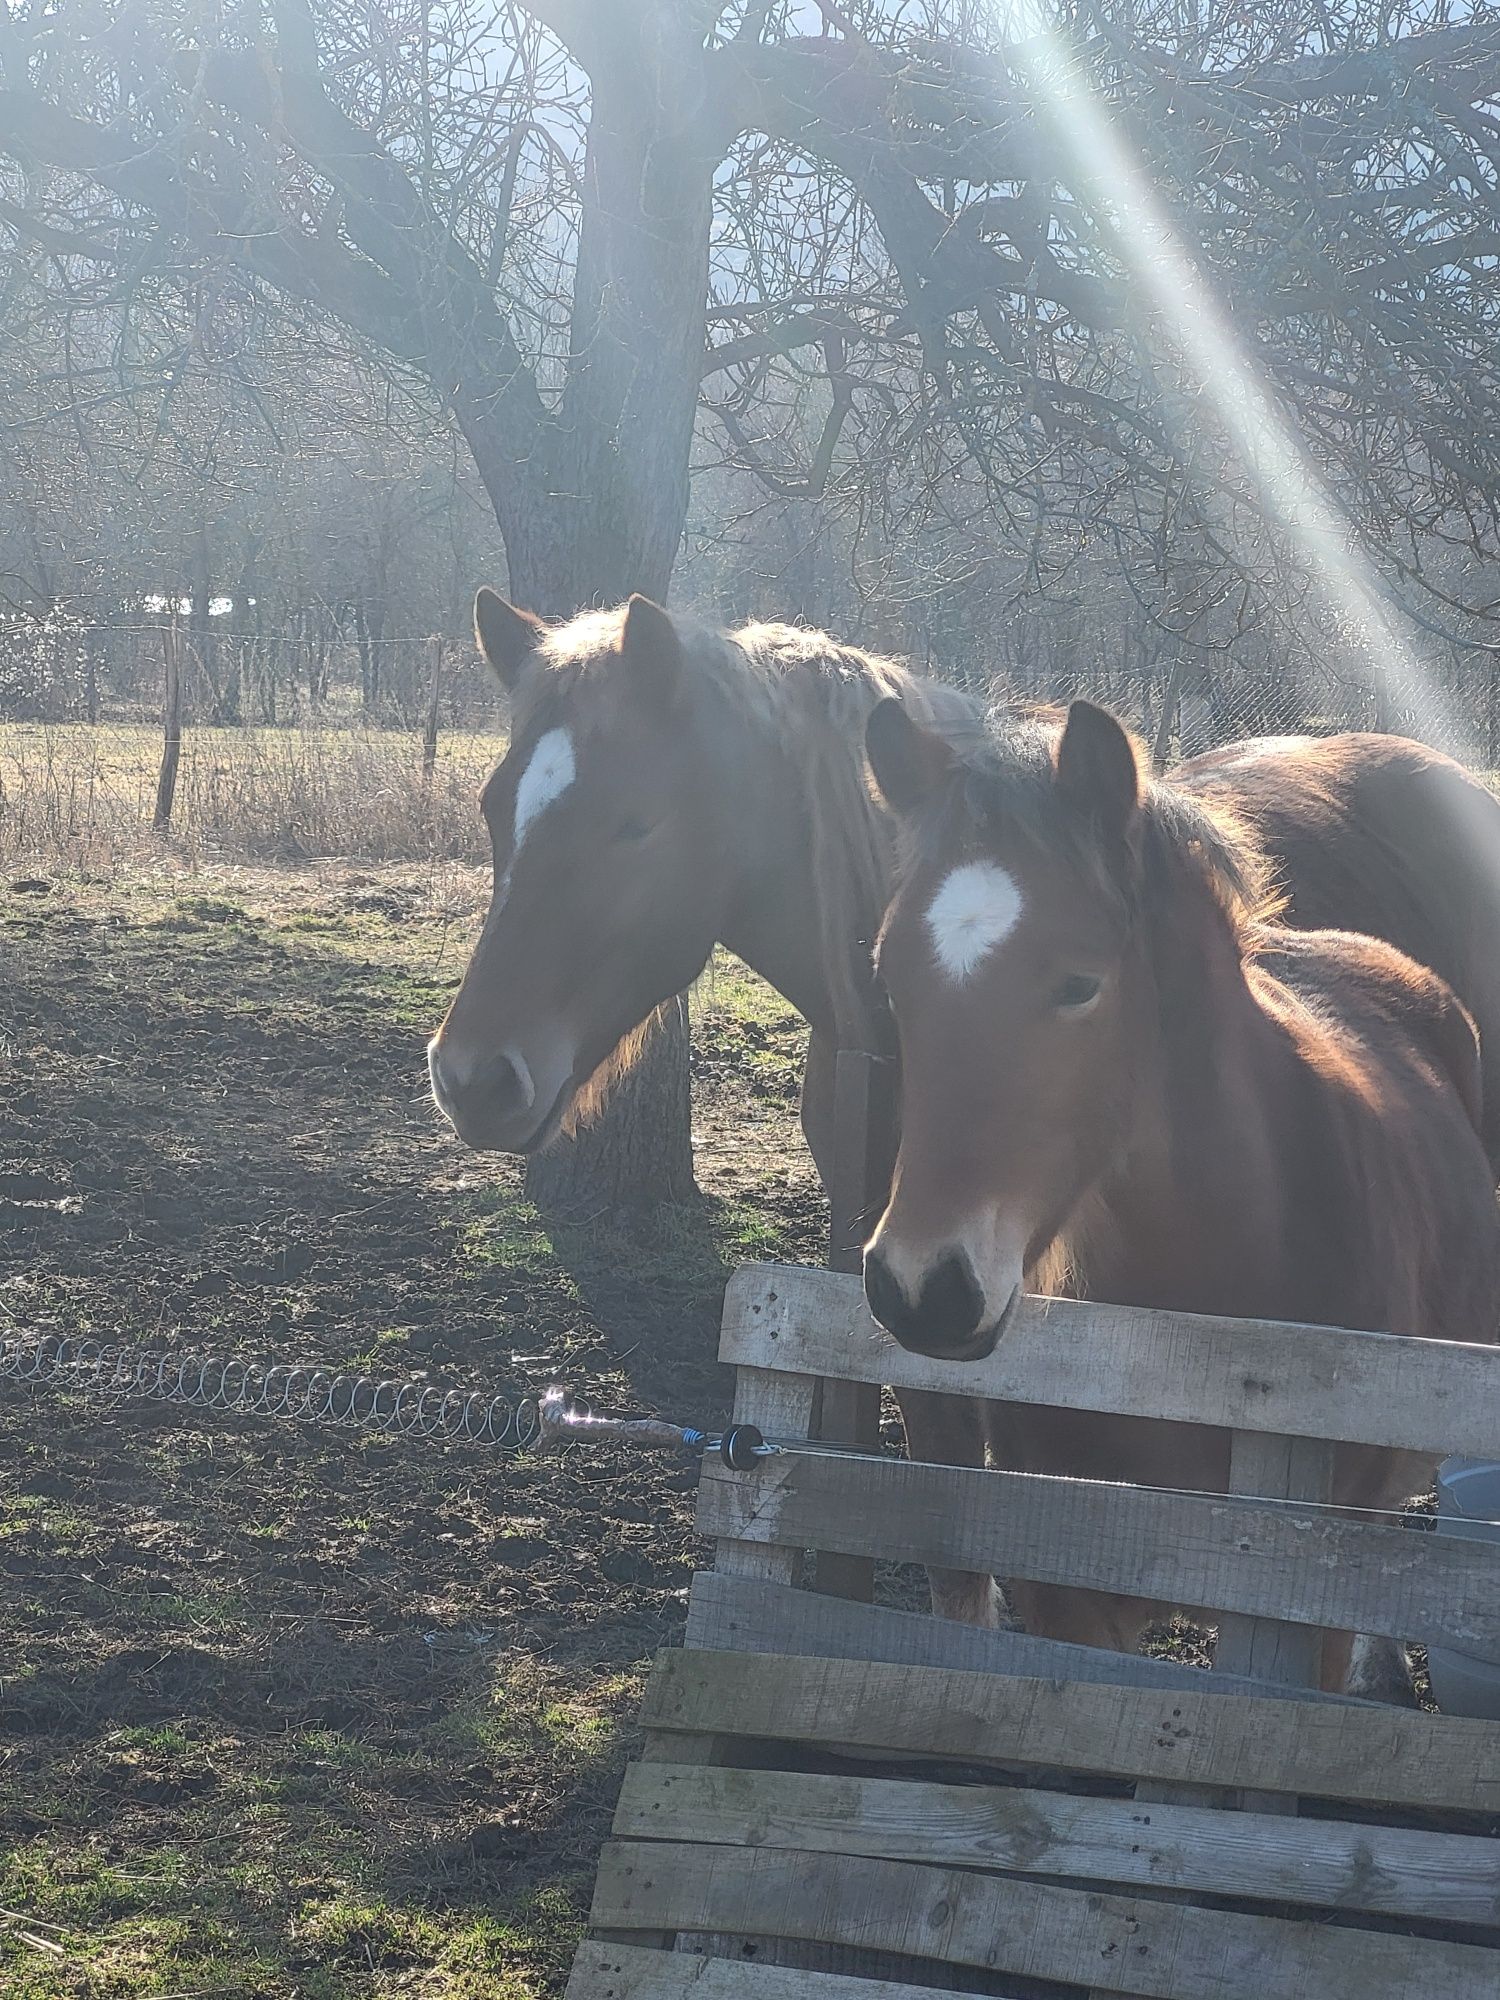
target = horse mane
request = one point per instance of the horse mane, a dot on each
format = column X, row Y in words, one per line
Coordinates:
column 1010, row 784
column 817, row 695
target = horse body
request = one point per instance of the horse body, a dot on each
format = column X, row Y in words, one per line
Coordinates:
column 1138, row 1085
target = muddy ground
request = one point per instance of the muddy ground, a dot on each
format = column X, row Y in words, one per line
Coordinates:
column 285, row 1712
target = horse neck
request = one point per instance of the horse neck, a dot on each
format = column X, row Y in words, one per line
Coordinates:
column 1193, row 1215
column 802, row 909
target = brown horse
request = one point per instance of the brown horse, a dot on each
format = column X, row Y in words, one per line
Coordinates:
column 1118, row 1079
column 668, row 788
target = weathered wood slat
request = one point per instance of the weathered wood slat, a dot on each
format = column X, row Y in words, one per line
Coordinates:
column 1448, row 1877
column 739, row 1614
column 1169, row 1951
column 1253, row 1375
column 1270, row 1561
column 864, row 1127
column 627, row 1972
column 1278, row 1467
column 1328, row 1750
column 770, row 1401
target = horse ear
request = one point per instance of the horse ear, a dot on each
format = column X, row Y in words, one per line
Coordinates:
column 910, row 763
column 1096, row 767
column 651, row 648
column 506, row 637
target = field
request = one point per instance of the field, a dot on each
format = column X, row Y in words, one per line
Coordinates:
column 285, row 1713
column 87, row 795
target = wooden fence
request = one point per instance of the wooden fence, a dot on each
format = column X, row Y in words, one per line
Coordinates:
column 844, row 1801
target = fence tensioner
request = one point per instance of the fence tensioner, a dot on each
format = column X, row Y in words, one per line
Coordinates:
column 565, row 1418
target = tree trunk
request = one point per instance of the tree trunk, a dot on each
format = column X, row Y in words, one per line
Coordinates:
column 639, row 1153
column 617, row 500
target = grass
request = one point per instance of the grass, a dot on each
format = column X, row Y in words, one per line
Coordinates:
column 72, row 794
column 284, row 1713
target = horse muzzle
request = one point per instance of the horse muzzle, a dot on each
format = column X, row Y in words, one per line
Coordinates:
column 947, row 1318
column 491, row 1102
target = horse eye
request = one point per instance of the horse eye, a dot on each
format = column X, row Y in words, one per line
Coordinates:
column 1078, row 990
column 634, row 829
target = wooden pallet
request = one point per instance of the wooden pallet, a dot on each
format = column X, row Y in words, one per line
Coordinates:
column 844, row 1801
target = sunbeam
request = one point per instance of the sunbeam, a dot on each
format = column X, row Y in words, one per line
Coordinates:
column 1163, row 266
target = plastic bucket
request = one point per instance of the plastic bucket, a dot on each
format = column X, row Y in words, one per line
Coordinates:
column 1468, row 1500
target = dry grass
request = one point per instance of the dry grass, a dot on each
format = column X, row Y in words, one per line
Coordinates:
column 84, row 797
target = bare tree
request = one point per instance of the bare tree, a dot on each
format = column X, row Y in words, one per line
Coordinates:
column 882, row 238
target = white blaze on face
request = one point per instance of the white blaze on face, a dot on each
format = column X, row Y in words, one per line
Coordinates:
column 974, row 911
column 543, row 782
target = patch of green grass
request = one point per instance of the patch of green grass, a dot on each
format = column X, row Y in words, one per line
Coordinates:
column 483, row 1729
column 75, row 1887
column 163, row 1740
column 730, row 992
column 526, row 1948
column 193, row 912
column 504, row 1231
column 317, row 923
column 332, row 1747
column 32, row 1514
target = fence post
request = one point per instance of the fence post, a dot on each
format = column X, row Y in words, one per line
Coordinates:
column 864, row 1147
column 434, row 696
column 1161, row 748
column 171, row 749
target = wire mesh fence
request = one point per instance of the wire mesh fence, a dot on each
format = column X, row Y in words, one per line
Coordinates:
column 88, row 730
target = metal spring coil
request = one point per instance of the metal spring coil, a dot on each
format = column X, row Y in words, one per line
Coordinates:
column 300, row 1392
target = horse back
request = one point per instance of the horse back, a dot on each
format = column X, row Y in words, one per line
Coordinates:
column 1388, row 1001
column 1380, row 835
column 1392, row 1105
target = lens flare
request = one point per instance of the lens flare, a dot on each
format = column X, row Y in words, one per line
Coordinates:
column 1166, row 275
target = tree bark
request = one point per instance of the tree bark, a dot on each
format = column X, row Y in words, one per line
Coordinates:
column 626, row 428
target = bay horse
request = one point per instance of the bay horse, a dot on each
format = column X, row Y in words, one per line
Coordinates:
column 667, row 788
column 1123, row 1079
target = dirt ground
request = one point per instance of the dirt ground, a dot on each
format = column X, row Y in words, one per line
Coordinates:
column 286, row 1712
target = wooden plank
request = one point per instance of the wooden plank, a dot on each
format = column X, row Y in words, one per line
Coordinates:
column 1253, row 1375
column 863, row 1146
column 1270, row 1560
column 779, row 1405
column 626, row 1972
column 1278, row 1467
column 1390, row 1870
column 1327, row 1750
column 736, row 1614
column 1164, row 1950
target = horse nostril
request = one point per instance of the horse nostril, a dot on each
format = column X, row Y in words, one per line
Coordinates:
column 884, row 1296
column 503, row 1085
column 947, row 1313
column 952, row 1304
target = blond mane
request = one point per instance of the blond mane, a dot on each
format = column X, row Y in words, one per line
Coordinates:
column 817, row 695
